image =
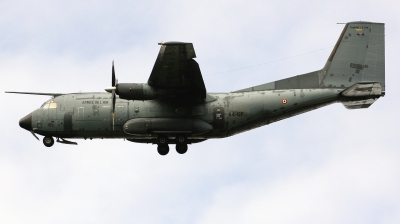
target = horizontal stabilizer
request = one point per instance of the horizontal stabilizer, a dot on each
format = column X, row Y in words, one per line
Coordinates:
column 359, row 104
column 361, row 95
column 363, row 89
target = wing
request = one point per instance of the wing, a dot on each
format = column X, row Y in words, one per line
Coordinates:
column 176, row 69
column 35, row 93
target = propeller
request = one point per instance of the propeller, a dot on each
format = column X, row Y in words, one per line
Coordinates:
column 112, row 89
column 114, row 83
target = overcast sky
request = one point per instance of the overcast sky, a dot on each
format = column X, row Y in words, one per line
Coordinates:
column 331, row 165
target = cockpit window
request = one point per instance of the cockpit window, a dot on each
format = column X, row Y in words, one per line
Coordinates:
column 53, row 105
column 49, row 104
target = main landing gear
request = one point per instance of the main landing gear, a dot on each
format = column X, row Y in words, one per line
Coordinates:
column 181, row 148
column 180, row 141
column 163, row 149
column 181, row 144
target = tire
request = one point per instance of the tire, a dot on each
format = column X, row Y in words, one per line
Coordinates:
column 163, row 149
column 48, row 141
column 162, row 140
column 181, row 139
column 181, row 148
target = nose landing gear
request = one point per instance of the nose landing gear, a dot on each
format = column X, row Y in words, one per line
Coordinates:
column 48, row 141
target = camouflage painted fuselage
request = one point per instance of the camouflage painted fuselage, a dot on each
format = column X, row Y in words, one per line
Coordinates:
column 88, row 115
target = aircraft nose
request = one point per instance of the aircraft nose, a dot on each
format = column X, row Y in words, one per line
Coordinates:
column 26, row 122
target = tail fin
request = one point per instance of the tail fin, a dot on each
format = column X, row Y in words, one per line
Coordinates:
column 358, row 57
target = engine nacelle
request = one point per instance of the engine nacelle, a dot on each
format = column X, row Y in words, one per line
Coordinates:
column 136, row 91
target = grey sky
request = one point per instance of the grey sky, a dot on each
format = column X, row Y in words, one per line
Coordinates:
column 331, row 165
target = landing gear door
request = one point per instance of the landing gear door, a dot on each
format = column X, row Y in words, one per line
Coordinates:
column 219, row 117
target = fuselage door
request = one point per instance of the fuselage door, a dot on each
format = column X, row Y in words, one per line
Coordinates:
column 68, row 121
column 69, row 108
column 81, row 113
column 219, row 115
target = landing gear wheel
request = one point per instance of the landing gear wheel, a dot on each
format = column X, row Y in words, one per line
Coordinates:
column 181, row 148
column 181, row 139
column 162, row 140
column 163, row 149
column 48, row 141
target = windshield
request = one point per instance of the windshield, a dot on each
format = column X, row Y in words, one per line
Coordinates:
column 49, row 104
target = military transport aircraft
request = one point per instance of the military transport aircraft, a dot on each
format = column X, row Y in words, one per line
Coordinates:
column 173, row 107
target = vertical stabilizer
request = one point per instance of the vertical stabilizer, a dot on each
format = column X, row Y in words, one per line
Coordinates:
column 358, row 57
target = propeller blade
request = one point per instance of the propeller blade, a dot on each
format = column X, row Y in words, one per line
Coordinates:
column 113, row 108
column 113, row 101
column 113, row 75
column 112, row 90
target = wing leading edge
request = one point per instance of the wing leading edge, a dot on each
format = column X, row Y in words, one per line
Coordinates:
column 36, row 93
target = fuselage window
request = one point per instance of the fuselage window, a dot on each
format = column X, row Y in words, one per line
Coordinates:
column 45, row 106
